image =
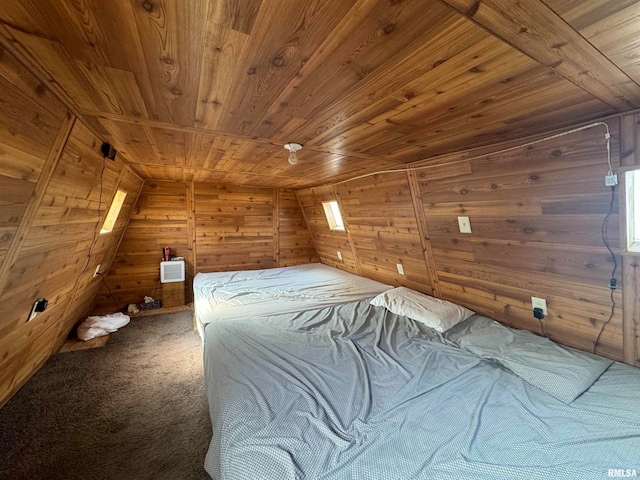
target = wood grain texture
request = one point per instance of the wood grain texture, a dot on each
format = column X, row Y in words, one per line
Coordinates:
column 611, row 27
column 425, row 239
column 216, row 228
column 536, row 216
column 159, row 219
column 365, row 84
column 381, row 220
column 295, row 244
column 57, row 252
column 328, row 242
column 234, row 228
column 535, row 29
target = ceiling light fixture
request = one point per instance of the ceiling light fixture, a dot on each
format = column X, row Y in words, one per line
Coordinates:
column 293, row 148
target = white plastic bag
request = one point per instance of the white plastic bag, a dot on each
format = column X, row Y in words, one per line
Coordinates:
column 98, row 326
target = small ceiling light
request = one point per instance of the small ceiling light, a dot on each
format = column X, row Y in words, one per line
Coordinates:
column 293, row 148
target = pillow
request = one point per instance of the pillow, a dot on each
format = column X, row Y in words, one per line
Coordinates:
column 433, row 312
column 562, row 372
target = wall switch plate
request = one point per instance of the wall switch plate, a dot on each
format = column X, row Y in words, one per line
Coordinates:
column 340, row 256
column 539, row 303
column 400, row 268
column 464, row 224
column 95, row 274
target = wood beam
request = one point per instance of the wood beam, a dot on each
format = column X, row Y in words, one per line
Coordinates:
column 418, row 208
column 536, row 30
column 36, row 198
column 307, row 223
column 215, row 133
column 345, row 221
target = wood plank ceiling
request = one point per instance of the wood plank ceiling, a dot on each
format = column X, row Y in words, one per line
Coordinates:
column 210, row 90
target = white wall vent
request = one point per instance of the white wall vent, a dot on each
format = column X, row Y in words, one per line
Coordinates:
column 172, row 271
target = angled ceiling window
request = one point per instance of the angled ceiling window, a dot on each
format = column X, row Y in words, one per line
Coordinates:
column 114, row 211
column 334, row 218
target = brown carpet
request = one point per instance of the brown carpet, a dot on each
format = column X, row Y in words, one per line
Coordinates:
column 133, row 409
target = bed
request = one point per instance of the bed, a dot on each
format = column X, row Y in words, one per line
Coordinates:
column 356, row 391
column 245, row 294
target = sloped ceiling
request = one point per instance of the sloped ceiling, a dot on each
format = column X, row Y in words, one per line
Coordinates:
column 210, row 90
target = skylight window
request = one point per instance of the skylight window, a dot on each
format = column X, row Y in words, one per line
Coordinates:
column 334, row 218
column 114, row 211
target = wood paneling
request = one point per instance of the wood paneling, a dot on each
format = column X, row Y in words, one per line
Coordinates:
column 533, row 28
column 216, row 228
column 31, row 122
column 364, row 84
column 234, row 228
column 159, row 219
column 382, row 222
column 536, row 214
column 328, row 242
column 295, row 245
column 55, row 243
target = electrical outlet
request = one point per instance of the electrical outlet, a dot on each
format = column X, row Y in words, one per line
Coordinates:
column 464, row 224
column 95, row 274
column 539, row 303
column 400, row 268
column 340, row 256
column 611, row 180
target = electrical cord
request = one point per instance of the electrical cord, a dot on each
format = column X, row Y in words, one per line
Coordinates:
column 612, row 281
column 109, row 290
column 544, row 334
column 607, row 136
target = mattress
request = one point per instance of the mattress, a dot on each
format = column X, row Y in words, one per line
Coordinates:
column 354, row 391
column 249, row 293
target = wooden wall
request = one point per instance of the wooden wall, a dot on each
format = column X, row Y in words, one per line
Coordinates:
column 215, row 227
column 234, row 227
column 295, row 245
column 536, row 214
column 51, row 172
column 159, row 219
column 327, row 242
column 382, row 225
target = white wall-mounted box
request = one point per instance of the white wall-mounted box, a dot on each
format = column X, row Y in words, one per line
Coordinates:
column 172, row 271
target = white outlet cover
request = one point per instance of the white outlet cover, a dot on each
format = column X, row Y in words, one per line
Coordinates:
column 400, row 268
column 539, row 303
column 339, row 255
column 464, row 224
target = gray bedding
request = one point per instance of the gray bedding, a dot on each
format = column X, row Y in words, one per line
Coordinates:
column 355, row 392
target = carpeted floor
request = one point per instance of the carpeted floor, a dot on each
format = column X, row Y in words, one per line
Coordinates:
column 133, row 409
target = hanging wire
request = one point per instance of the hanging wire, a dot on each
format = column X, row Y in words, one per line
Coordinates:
column 498, row 152
column 607, row 137
column 612, row 282
column 109, row 290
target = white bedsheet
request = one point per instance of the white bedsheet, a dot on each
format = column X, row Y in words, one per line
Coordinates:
column 250, row 293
